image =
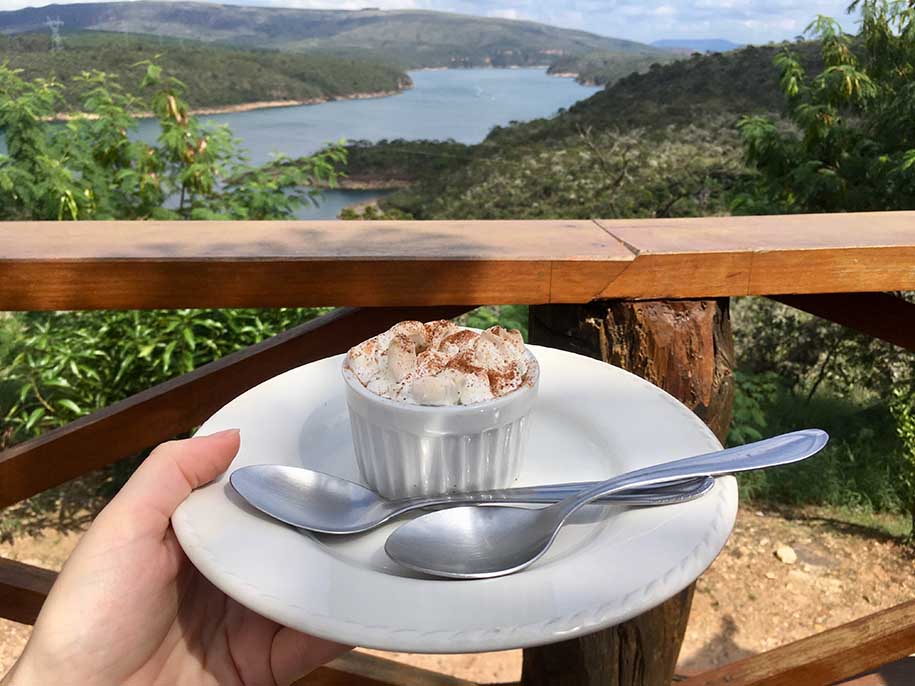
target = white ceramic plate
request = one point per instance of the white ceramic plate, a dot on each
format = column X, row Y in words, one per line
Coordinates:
column 591, row 421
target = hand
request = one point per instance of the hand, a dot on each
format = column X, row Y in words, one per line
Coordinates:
column 130, row 609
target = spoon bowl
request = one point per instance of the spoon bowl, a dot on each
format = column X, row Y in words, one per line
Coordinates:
column 477, row 543
column 480, row 542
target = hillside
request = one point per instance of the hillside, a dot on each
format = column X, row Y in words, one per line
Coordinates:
column 703, row 89
column 662, row 143
column 217, row 76
column 411, row 38
column 604, row 68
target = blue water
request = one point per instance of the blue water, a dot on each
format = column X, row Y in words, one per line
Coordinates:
column 462, row 104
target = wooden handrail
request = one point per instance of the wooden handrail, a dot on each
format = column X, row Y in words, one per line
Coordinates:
column 825, row 658
column 170, row 408
column 91, row 265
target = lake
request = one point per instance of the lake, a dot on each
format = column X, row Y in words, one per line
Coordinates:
column 462, row 104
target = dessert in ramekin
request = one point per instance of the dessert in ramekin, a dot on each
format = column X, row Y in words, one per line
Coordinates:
column 437, row 408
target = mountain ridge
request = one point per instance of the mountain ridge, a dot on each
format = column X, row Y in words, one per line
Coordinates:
column 410, row 38
column 260, row 78
column 697, row 44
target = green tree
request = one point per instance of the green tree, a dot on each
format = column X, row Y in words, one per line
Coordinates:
column 93, row 168
column 852, row 143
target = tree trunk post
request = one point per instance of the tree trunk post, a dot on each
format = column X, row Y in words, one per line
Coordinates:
column 686, row 348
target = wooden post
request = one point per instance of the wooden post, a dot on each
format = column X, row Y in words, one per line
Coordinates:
column 686, row 348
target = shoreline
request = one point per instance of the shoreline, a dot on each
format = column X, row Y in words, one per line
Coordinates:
column 365, row 183
column 246, row 106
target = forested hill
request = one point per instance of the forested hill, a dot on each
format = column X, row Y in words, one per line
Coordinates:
column 658, row 144
column 606, row 68
column 217, row 76
column 409, row 38
column 701, row 89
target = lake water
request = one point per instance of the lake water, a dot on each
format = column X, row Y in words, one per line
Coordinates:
column 462, row 104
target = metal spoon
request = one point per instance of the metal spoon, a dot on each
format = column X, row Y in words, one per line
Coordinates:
column 328, row 504
column 481, row 542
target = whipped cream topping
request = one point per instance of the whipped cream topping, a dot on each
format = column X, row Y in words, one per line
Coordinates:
column 440, row 363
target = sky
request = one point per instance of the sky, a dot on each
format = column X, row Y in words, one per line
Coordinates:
column 741, row 21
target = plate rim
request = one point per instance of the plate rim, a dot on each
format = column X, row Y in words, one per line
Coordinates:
column 507, row 636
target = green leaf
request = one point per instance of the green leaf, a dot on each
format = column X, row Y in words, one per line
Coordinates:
column 70, row 405
column 167, row 355
column 189, row 337
column 34, row 417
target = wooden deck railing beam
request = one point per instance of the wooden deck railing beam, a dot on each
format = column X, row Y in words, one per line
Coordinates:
column 141, row 265
column 825, row 658
column 23, row 589
column 880, row 315
column 170, row 408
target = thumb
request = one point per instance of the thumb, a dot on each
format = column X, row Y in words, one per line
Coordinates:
column 174, row 469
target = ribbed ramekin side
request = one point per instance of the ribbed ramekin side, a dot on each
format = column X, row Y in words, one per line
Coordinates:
column 399, row 464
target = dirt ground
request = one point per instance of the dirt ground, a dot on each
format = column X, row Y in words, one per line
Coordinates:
column 748, row 601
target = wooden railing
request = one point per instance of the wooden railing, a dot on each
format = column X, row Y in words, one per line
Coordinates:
column 581, row 276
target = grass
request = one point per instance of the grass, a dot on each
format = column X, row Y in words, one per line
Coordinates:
column 859, row 470
column 893, row 525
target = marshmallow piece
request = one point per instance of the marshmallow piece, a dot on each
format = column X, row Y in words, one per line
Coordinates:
column 476, row 389
column 512, row 337
column 415, row 331
column 435, row 390
column 430, row 362
column 457, row 342
column 488, row 351
column 438, row 330
column 401, row 356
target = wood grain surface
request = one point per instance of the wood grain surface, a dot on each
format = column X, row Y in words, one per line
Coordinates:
column 97, row 265
column 825, row 658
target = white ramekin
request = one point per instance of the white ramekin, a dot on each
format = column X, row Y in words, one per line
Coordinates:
column 406, row 450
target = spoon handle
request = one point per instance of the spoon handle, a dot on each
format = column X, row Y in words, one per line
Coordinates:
column 675, row 491
column 771, row 452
